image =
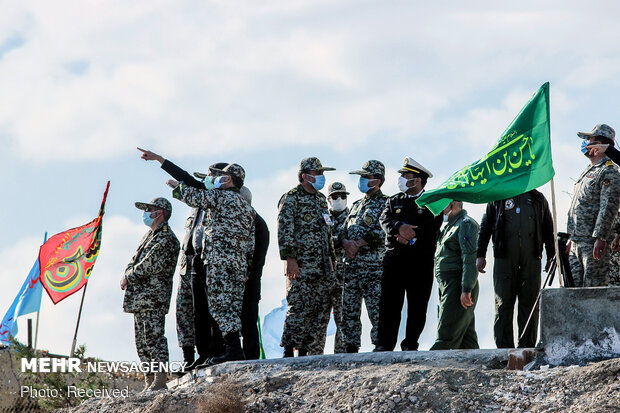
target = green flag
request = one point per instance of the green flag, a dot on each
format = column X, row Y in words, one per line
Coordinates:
column 520, row 162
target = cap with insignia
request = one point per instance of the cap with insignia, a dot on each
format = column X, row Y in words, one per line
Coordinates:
column 337, row 188
column 410, row 165
column 372, row 167
column 232, row 169
column 213, row 169
column 313, row 164
column 159, row 202
column 601, row 131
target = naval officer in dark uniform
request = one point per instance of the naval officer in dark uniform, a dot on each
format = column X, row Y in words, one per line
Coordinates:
column 408, row 264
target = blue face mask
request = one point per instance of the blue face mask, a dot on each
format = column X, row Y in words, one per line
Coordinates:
column 362, row 185
column 584, row 151
column 319, row 182
column 146, row 218
column 217, row 182
column 208, row 181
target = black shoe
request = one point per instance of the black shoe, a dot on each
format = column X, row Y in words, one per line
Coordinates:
column 302, row 352
column 406, row 348
column 352, row 349
column 233, row 350
column 188, row 354
column 289, row 351
column 380, row 348
column 197, row 363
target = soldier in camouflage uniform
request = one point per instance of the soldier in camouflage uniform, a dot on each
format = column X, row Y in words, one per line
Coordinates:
column 195, row 325
column 596, row 198
column 338, row 211
column 457, row 280
column 228, row 245
column 304, row 240
column 364, row 243
column 148, row 286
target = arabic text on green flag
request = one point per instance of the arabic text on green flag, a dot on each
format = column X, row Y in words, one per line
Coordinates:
column 520, row 162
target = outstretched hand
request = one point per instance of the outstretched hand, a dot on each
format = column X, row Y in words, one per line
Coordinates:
column 151, row 156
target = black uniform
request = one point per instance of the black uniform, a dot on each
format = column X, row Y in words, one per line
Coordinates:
column 251, row 294
column 209, row 340
column 406, row 268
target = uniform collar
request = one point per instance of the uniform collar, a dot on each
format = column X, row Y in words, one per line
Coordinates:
column 416, row 195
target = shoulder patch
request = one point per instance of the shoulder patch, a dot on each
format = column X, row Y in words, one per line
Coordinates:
column 606, row 182
column 609, row 163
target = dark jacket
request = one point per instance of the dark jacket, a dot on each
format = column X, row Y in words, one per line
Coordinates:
column 255, row 270
column 492, row 227
column 402, row 209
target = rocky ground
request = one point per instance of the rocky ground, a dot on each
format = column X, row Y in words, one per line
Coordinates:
column 361, row 383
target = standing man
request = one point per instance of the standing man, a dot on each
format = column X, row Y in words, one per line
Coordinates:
column 148, row 287
column 228, row 245
column 457, row 277
column 363, row 241
column 304, row 239
column 408, row 264
column 195, row 325
column 251, row 293
column 519, row 227
column 338, row 211
column 596, row 198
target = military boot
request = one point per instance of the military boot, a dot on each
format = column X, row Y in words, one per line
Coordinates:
column 301, row 352
column 148, row 381
column 289, row 351
column 233, row 350
column 198, row 362
column 188, row 354
column 160, row 381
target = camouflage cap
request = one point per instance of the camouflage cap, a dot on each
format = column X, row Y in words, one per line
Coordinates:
column 313, row 164
column 601, row 130
column 336, row 188
column 212, row 169
column 158, row 202
column 411, row 165
column 372, row 167
column 232, row 169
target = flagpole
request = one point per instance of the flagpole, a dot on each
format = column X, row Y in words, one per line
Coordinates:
column 77, row 325
column 555, row 235
column 36, row 329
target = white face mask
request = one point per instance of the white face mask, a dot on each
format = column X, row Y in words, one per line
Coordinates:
column 446, row 217
column 402, row 184
column 339, row 204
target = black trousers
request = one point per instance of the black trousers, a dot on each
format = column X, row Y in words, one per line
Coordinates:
column 404, row 274
column 249, row 320
column 207, row 334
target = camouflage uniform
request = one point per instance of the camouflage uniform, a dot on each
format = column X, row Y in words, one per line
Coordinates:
column 455, row 271
column 149, row 277
column 362, row 273
column 335, row 292
column 304, row 233
column 185, row 309
column 228, row 245
column 596, row 198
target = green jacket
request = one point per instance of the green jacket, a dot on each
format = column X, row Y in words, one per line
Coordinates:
column 456, row 251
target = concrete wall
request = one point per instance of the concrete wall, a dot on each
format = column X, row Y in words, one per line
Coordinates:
column 580, row 324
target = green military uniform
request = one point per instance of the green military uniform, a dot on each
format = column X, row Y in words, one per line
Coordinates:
column 149, row 277
column 304, row 233
column 185, row 310
column 455, row 271
column 339, row 218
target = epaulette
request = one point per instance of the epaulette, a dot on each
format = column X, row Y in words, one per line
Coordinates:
column 292, row 191
column 609, row 163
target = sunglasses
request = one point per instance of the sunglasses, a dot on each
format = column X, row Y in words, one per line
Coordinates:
column 336, row 196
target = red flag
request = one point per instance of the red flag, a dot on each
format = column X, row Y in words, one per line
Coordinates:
column 67, row 258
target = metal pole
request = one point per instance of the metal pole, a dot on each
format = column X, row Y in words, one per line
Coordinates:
column 36, row 329
column 30, row 333
column 77, row 325
column 555, row 235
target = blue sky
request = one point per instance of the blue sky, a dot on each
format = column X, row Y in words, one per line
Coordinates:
column 84, row 83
